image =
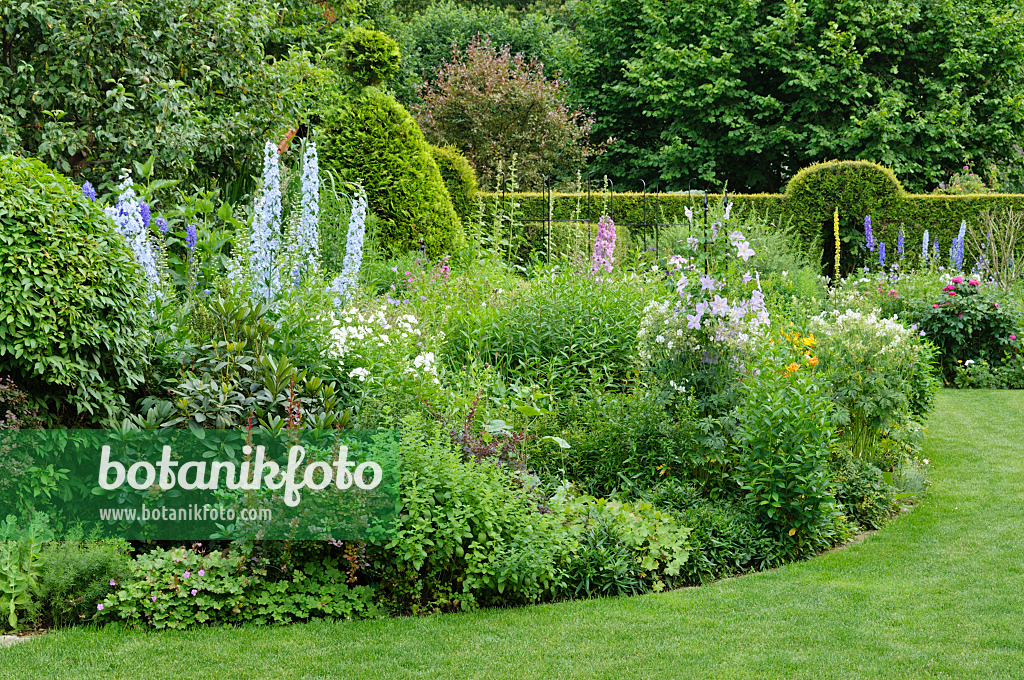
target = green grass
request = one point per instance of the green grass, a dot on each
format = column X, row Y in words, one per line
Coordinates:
column 939, row 593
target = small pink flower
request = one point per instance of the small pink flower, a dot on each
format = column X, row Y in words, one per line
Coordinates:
column 974, row 282
column 154, row 598
column 952, row 292
column 194, row 591
column 1012, row 336
column 949, row 287
column 958, row 279
column 202, row 572
column 935, row 306
column 997, row 305
column 113, row 582
column 186, row 574
column 99, row 607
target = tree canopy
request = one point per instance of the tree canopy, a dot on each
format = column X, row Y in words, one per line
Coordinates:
column 750, row 91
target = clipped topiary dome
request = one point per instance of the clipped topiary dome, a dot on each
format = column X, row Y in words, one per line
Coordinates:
column 460, row 179
column 369, row 137
column 72, row 329
column 370, row 57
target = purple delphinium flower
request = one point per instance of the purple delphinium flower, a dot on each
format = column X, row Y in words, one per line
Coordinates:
column 146, row 213
column 899, row 244
column 161, row 224
column 869, row 238
column 89, row 191
column 191, row 237
column 881, row 255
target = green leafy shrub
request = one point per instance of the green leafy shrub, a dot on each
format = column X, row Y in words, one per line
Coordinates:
column 73, row 330
column 470, row 533
column 180, row 587
column 370, row 57
column 21, row 565
column 965, row 321
column 369, row 137
column 77, row 576
column 783, row 441
column 878, row 374
column 624, row 548
column 459, row 177
column 561, row 332
column 862, row 491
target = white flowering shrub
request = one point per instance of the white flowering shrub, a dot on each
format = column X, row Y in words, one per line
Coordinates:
column 880, row 374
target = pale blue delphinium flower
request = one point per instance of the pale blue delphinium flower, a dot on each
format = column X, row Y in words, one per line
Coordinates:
column 346, row 281
column 924, row 247
column 265, row 241
column 307, row 236
column 899, row 244
column 89, row 191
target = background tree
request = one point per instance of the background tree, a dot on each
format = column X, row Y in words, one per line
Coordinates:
column 490, row 105
column 751, row 92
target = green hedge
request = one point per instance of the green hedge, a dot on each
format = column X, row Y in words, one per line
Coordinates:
column 856, row 188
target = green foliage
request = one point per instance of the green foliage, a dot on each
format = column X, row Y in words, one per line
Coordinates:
column 21, row 565
column 625, row 548
column 470, row 533
column 72, row 332
column 750, row 92
column 370, row 57
column 784, row 435
column 497, row 107
column 966, row 322
column 371, row 138
column 246, row 361
column 430, row 35
column 77, row 576
column 180, row 587
column 862, row 491
column 561, row 332
column 460, row 179
column 91, row 86
column 878, row 375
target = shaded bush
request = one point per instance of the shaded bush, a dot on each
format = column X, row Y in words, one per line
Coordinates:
column 72, row 332
column 460, row 178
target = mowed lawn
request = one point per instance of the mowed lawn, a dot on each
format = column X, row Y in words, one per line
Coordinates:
column 937, row 594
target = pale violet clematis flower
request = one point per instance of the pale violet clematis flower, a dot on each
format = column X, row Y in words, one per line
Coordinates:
column 744, row 251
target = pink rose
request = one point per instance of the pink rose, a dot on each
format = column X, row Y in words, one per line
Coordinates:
column 935, row 306
column 958, row 279
column 997, row 305
column 974, row 282
column 952, row 292
column 1012, row 336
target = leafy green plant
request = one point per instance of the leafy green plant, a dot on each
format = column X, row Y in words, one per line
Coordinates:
column 181, row 587
column 21, row 565
column 468, row 535
column 370, row 57
column 77, row 576
column 460, row 178
column 783, row 441
column 861, row 489
column 73, row 331
column 965, row 321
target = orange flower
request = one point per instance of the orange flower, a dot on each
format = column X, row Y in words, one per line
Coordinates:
column 813, row 361
column 792, row 368
column 809, row 341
